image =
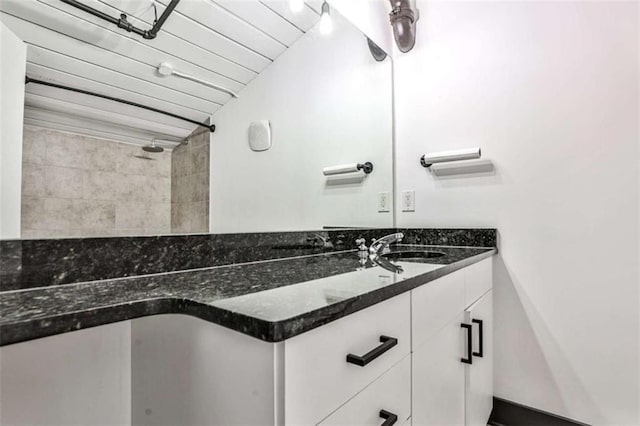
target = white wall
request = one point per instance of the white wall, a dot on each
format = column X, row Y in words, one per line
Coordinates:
column 81, row 378
column 369, row 16
column 13, row 62
column 549, row 90
column 329, row 103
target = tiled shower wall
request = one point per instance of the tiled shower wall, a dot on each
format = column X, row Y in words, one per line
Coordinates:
column 190, row 184
column 78, row 186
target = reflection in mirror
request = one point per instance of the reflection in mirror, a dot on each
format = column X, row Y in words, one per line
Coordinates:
column 307, row 100
column 328, row 102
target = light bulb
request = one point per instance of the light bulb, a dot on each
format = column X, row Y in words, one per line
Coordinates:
column 326, row 24
column 296, row 6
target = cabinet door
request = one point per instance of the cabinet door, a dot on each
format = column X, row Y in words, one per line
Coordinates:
column 189, row 372
column 479, row 374
column 436, row 304
column 478, row 280
column 439, row 378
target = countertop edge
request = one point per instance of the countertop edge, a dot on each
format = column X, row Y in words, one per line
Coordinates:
column 282, row 330
column 267, row 331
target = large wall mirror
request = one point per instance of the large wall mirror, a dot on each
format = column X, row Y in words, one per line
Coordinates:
column 310, row 96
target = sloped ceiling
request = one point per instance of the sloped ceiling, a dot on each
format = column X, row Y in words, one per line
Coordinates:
column 226, row 42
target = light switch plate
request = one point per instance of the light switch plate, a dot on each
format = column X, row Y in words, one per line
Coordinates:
column 409, row 201
column 384, row 202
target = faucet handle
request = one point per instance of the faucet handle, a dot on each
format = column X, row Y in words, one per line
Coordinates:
column 360, row 242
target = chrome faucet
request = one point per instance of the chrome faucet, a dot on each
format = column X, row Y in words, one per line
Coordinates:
column 386, row 264
column 381, row 244
column 360, row 242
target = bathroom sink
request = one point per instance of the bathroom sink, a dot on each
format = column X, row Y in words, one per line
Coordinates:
column 296, row 247
column 412, row 255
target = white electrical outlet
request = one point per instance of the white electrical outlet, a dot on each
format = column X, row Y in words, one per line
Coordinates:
column 384, row 202
column 409, row 201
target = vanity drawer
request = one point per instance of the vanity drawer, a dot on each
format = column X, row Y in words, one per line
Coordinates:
column 391, row 393
column 478, row 280
column 318, row 378
column 435, row 304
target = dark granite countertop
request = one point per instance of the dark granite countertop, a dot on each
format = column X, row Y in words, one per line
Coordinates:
column 271, row 300
column 50, row 262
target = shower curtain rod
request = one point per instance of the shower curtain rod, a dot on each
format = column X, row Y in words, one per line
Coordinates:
column 122, row 21
column 212, row 127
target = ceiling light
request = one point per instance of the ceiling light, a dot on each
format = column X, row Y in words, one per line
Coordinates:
column 326, row 24
column 296, row 6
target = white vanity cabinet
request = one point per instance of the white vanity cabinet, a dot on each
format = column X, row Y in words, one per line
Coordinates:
column 452, row 381
column 397, row 362
column 190, row 372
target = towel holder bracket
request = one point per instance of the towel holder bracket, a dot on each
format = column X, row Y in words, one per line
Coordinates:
column 366, row 167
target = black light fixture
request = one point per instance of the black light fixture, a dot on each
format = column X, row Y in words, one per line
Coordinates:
column 403, row 17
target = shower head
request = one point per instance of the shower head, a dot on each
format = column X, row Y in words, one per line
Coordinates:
column 153, row 147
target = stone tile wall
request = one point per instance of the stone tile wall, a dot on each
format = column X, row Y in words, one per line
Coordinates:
column 78, row 186
column 190, row 185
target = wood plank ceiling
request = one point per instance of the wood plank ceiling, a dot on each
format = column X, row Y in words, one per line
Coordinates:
column 226, row 42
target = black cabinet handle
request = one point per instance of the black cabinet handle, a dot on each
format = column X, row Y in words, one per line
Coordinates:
column 389, row 418
column 468, row 359
column 479, row 353
column 387, row 343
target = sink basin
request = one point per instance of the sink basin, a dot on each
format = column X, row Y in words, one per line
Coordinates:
column 412, row 255
column 296, row 247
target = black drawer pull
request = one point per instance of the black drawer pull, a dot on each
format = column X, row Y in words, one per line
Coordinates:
column 468, row 359
column 389, row 418
column 387, row 343
column 479, row 353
